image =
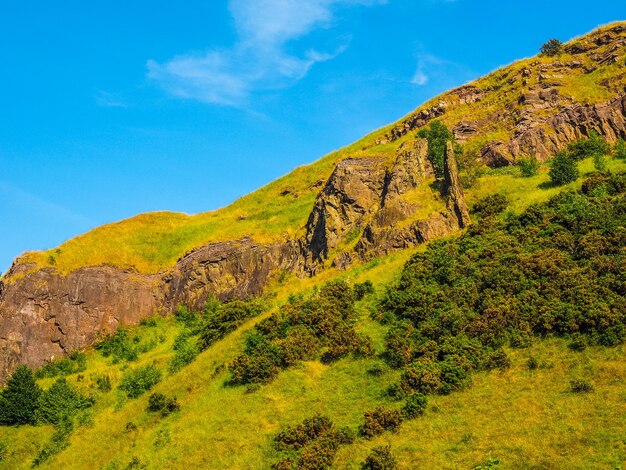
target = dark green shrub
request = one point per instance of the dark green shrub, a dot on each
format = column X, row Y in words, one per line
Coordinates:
column 296, row 437
column 490, row 205
column 619, row 149
column 532, row 363
column 423, row 377
column 552, row 48
column 380, row 458
column 318, row 455
column 438, row 136
column 414, row 406
column 103, row 383
column 578, row 343
column 529, row 166
column 20, row 398
column 563, row 170
column 60, row 402
column 226, row 318
column 592, row 146
column 185, row 352
column 159, row 403
column 120, row 346
column 136, row 382
column 379, row 420
column 362, row 289
column 497, row 360
column 581, row 386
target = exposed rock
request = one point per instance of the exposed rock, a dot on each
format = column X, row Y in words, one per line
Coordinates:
column 44, row 315
column 452, row 186
column 353, row 192
column 409, row 170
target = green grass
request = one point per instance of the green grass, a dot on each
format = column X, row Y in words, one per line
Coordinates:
column 524, row 418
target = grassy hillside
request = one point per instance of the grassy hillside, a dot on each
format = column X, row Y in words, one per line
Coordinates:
column 153, row 242
column 524, row 413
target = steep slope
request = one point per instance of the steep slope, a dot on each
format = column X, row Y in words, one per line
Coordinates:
column 370, row 199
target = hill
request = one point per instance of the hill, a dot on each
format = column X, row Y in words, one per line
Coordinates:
column 444, row 287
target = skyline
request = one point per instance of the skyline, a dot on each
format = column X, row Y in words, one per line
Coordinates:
column 127, row 109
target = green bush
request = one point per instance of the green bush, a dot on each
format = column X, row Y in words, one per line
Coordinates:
column 619, row 149
column 362, row 289
column 120, row 346
column 490, row 205
column 414, row 406
column 60, row 402
column 529, row 167
column 438, row 135
column 159, row 403
column 103, row 383
column 552, row 48
column 296, row 437
column 581, row 386
column 379, row 420
column 380, row 458
column 136, row 382
column 593, row 146
column 563, row 170
column 20, row 398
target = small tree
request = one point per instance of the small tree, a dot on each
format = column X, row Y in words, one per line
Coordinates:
column 380, row 458
column 529, row 166
column 564, row 169
column 437, row 135
column 19, row 400
column 552, row 48
column 619, row 150
column 589, row 147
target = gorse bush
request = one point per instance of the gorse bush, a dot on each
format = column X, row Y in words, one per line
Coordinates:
column 592, row 146
column 136, row 382
column 314, row 443
column 380, row 458
column 490, row 205
column 555, row 269
column 318, row 327
column 362, row 289
column 159, row 403
column 379, row 420
column 619, row 150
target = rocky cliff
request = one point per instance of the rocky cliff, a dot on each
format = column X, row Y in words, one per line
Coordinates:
column 363, row 209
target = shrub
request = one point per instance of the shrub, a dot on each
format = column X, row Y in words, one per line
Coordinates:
column 563, row 170
column 296, row 437
column 20, row 398
column 490, row 205
column 581, row 386
column 438, row 136
column 57, row 443
column 379, row 420
column 159, row 403
column 60, row 402
column 362, row 289
column 578, row 343
column 136, row 382
column 318, row 455
column 619, row 149
column 552, row 48
column 380, row 458
column 532, row 363
column 599, row 162
column 593, row 146
column 185, row 352
column 103, row 383
column 529, row 167
column 414, row 406
column 120, row 346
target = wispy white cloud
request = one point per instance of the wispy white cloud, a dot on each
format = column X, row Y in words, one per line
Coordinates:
column 431, row 69
column 259, row 60
column 109, row 100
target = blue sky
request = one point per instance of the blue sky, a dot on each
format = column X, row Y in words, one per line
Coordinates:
column 109, row 109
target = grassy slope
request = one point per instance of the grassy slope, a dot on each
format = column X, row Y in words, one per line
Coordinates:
column 153, row 242
column 525, row 419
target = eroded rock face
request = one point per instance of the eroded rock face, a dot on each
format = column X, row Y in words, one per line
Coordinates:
column 44, row 315
column 353, row 192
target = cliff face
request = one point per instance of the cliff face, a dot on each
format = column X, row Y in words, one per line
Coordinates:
column 44, row 315
column 362, row 211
